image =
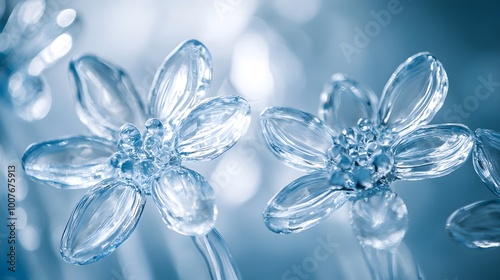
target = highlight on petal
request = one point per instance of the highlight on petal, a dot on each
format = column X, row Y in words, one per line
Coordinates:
column 106, row 98
column 344, row 101
column 299, row 139
column 379, row 219
column 180, row 83
column 70, row 163
column 303, row 204
column 486, row 158
column 212, row 128
column 185, row 200
column 413, row 95
column 432, row 151
column 476, row 225
column 102, row 220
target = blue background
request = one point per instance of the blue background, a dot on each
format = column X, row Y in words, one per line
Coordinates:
column 276, row 53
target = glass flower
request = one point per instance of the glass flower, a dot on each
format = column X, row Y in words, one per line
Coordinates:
column 35, row 35
column 476, row 225
column 123, row 166
column 358, row 149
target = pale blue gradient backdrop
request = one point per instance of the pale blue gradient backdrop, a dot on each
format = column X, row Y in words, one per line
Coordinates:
column 272, row 53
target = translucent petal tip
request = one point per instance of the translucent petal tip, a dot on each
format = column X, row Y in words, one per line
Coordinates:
column 432, row 151
column 476, row 225
column 69, row 163
column 102, row 220
column 180, row 82
column 414, row 94
column 297, row 138
column 303, row 204
column 486, row 158
column 212, row 128
column 344, row 101
column 106, row 97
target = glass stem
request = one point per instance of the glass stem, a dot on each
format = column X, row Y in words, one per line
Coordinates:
column 217, row 255
column 382, row 263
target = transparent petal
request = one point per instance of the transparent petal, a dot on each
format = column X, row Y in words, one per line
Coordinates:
column 28, row 96
column 432, row 151
column 303, row 204
column 185, row 200
column 344, row 101
column 476, row 225
column 180, row 83
column 106, row 98
column 212, row 128
column 70, row 163
column 36, row 35
column 486, row 158
column 217, row 256
column 413, row 95
column 379, row 218
column 102, row 220
column 299, row 139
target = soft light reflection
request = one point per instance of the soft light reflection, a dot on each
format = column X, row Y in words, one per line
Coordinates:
column 138, row 18
column 250, row 70
column 296, row 10
column 133, row 260
column 225, row 20
column 40, row 108
column 21, row 188
column 15, row 83
column 341, row 217
column 236, row 178
column 31, row 11
column 58, row 48
column 66, row 17
column 22, row 218
column 29, row 238
column 186, row 260
column 29, row 96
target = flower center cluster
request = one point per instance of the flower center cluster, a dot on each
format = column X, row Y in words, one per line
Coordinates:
column 360, row 158
column 140, row 158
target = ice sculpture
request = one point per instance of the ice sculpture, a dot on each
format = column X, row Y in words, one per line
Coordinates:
column 359, row 147
column 123, row 166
